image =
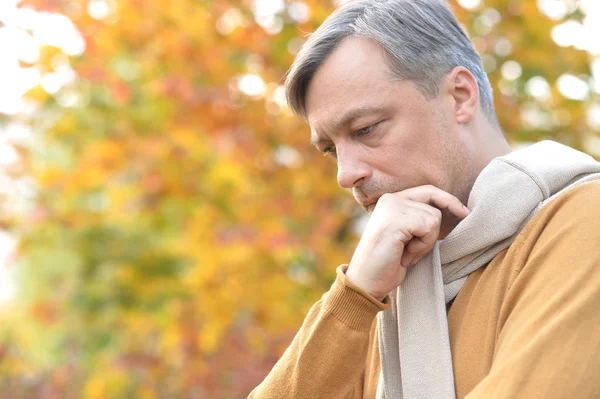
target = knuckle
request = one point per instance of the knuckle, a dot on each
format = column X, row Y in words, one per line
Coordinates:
column 432, row 222
column 423, row 219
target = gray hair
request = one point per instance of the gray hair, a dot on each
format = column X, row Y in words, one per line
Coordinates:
column 422, row 40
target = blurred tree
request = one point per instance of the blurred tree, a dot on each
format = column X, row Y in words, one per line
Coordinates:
column 183, row 226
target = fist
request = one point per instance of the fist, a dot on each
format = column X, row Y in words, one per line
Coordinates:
column 403, row 228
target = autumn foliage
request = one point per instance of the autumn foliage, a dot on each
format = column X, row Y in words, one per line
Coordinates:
column 183, row 225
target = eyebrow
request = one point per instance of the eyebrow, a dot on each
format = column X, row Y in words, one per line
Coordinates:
column 348, row 118
column 317, row 142
column 356, row 113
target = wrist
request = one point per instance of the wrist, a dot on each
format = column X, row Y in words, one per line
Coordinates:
column 361, row 283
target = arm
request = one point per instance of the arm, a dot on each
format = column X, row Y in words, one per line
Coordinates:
column 327, row 357
column 549, row 342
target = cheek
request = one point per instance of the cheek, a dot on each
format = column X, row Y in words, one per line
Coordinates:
column 411, row 144
column 400, row 169
column 415, row 162
column 412, row 148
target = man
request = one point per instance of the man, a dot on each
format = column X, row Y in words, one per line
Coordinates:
column 394, row 91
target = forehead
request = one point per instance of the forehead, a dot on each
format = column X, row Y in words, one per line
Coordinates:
column 355, row 75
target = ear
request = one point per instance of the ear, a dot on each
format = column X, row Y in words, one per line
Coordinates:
column 462, row 86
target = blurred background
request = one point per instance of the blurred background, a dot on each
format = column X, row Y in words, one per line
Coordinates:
column 164, row 224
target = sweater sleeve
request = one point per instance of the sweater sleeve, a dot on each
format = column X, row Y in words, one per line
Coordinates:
column 548, row 342
column 326, row 358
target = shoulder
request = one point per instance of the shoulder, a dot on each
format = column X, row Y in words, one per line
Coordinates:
column 561, row 245
column 572, row 218
column 581, row 201
column 571, row 222
column 548, row 296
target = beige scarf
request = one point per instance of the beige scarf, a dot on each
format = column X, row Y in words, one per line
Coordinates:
column 413, row 334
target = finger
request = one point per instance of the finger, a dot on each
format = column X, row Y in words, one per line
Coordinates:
column 423, row 230
column 406, row 259
column 434, row 196
column 432, row 210
column 415, row 249
column 418, row 246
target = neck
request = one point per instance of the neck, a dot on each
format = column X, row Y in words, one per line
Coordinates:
column 485, row 142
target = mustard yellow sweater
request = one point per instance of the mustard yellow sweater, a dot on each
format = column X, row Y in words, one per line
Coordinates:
column 525, row 326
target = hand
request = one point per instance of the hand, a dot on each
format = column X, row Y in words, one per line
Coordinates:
column 403, row 228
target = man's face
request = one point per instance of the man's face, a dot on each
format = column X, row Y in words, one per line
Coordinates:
column 385, row 136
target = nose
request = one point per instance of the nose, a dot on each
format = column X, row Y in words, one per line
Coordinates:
column 352, row 170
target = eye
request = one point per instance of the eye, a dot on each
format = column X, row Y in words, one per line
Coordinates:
column 364, row 130
column 330, row 151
